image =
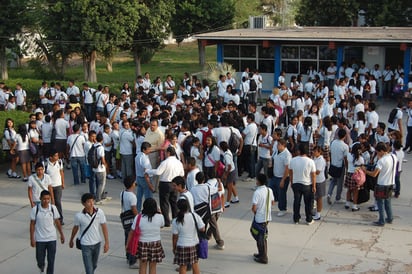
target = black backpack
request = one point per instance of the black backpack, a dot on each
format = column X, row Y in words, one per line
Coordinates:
column 187, row 146
column 252, row 85
column 92, row 157
column 392, row 115
column 234, row 141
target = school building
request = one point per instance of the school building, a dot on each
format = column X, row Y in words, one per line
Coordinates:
column 293, row 50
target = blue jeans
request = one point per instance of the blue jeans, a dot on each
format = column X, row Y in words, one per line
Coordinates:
column 397, row 184
column 92, row 181
column 41, row 249
column 142, row 189
column 280, row 194
column 388, row 208
column 339, row 183
column 262, row 163
column 127, row 165
column 90, row 254
column 305, row 191
column 76, row 163
column 88, row 109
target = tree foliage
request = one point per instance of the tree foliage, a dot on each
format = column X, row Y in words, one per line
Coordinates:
column 12, row 21
column 327, row 12
column 388, row 13
column 153, row 28
column 196, row 16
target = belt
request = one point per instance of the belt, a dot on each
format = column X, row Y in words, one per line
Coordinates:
column 164, row 182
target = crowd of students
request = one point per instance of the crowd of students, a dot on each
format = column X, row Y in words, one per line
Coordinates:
column 212, row 138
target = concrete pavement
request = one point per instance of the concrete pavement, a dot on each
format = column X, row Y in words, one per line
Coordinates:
column 342, row 242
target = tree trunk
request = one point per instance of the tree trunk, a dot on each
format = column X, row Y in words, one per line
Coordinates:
column 201, row 50
column 92, row 67
column 138, row 66
column 109, row 64
column 3, row 63
column 85, row 66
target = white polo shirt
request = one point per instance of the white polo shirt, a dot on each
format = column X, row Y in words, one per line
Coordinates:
column 45, row 231
column 38, row 185
column 302, row 168
column 76, row 145
column 263, row 207
column 214, row 155
column 53, row 170
column 150, row 230
column 250, row 133
column 100, row 156
column 82, row 220
column 387, row 169
column 320, row 164
column 126, row 145
column 186, row 231
column 61, row 125
column 129, row 200
column 280, row 161
column 338, row 151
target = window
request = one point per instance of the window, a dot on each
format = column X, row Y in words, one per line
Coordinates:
column 298, row 59
column 252, row 56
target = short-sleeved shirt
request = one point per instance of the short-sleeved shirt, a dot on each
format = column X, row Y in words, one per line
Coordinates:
column 150, row 230
column 38, row 185
column 76, row 145
column 100, row 156
column 142, row 163
column 61, row 126
column 302, row 168
column 338, row 151
column 263, row 206
column 126, row 142
column 214, row 155
column 320, row 164
column 187, row 232
column 129, row 200
column 280, row 161
column 82, row 220
column 53, row 170
column 387, row 170
column 44, row 230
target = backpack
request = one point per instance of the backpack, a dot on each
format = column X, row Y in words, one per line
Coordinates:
column 187, row 146
column 92, row 158
column 37, row 211
column 252, row 85
column 392, row 115
column 205, row 134
column 48, row 94
column 234, row 141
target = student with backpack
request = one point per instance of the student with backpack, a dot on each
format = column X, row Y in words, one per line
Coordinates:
column 395, row 119
column 98, row 162
column 44, row 219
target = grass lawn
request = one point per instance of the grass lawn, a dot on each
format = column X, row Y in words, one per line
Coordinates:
column 172, row 59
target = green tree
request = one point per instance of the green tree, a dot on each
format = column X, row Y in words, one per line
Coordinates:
column 102, row 26
column 153, row 28
column 394, row 13
column 12, row 21
column 197, row 16
column 327, row 12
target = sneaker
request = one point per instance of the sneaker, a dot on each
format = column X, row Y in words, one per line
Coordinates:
column 409, row 151
column 110, row 177
column 68, row 166
column 25, row 179
column 134, row 266
column 317, row 216
column 311, row 222
column 329, row 200
column 235, row 201
column 281, row 213
column 388, row 221
column 405, row 161
column 355, row 208
column 373, row 208
column 227, row 204
column 219, row 247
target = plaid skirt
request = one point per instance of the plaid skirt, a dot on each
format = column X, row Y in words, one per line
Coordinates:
column 325, row 152
column 150, row 251
column 349, row 182
column 186, row 255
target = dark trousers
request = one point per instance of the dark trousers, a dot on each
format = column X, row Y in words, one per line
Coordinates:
column 57, row 192
column 248, row 160
column 262, row 244
column 300, row 190
column 387, row 88
column 41, row 249
column 280, row 194
column 408, row 143
column 88, row 109
column 167, row 197
column 214, row 229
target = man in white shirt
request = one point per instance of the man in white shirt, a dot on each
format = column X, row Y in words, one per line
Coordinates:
column 44, row 218
column 75, row 147
column 264, row 144
column 262, row 202
column 42, row 95
column 331, row 74
column 387, row 77
column 179, row 185
column 73, row 90
column 37, row 183
column 167, row 170
column 91, row 239
column 53, row 167
column 396, row 124
column 385, row 170
column 20, row 95
column 302, row 173
column 126, row 149
column 248, row 155
column 101, row 170
column 372, row 119
column 144, row 185
column 87, row 94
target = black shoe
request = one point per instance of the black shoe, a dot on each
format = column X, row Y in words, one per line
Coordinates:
column 378, row 224
column 388, row 221
column 374, row 209
column 261, row 261
column 256, row 255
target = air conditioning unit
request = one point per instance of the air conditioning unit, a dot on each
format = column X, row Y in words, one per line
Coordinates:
column 257, row 22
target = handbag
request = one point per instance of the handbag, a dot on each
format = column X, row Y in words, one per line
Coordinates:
column 334, row 171
column 134, row 241
column 78, row 240
column 220, row 167
column 203, row 245
column 363, row 195
column 359, row 177
column 383, row 192
column 256, row 228
column 126, row 217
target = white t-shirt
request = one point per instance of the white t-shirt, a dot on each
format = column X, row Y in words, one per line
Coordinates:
column 100, row 156
column 228, row 161
column 201, row 193
column 76, row 145
column 250, row 133
column 351, row 165
column 92, row 236
column 45, row 230
column 263, row 151
column 61, row 125
column 387, row 168
column 320, row 164
column 188, row 197
column 53, row 170
column 150, row 230
column 280, row 161
column 214, row 155
column 20, row 144
column 338, row 150
column 187, row 231
column 126, row 142
column 129, row 200
column 263, row 207
column 191, row 179
column 302, row 168
column 38, row 185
